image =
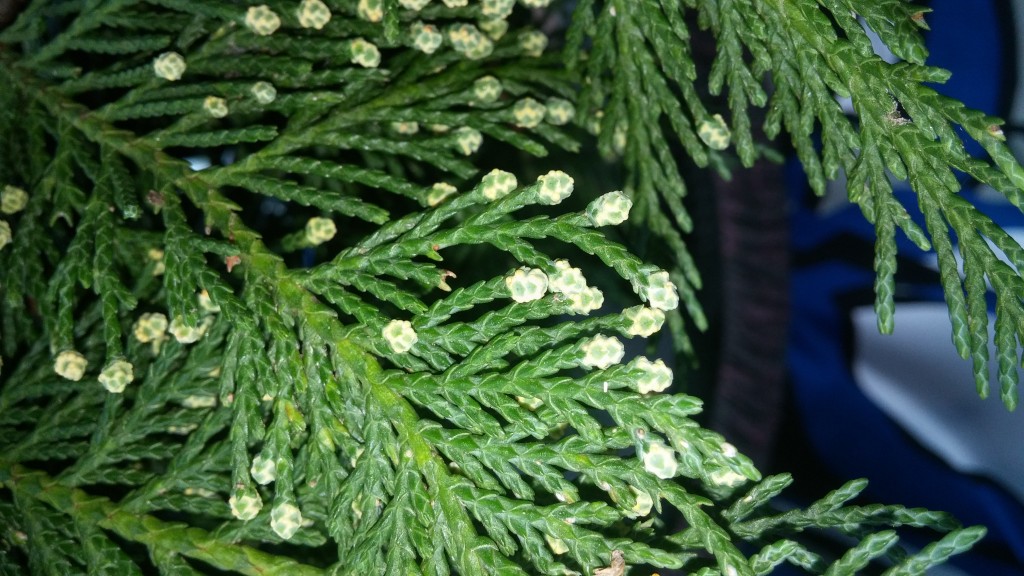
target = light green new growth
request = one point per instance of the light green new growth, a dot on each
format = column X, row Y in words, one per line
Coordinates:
column 411, row 371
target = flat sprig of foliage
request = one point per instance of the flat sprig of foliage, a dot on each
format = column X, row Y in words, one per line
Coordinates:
column 192, row 385
column 641, row 94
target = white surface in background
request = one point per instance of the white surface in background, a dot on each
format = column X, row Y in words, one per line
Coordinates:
column 916, row 377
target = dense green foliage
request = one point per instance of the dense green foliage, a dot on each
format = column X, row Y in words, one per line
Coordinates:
column 266, row 310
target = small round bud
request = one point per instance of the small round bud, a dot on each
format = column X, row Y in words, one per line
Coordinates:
column 186, row 334
column 70, row 364
column 371, row 10
column 586, row 301
column 527, row 284
column 157, row 255
column 263, row 92
column 425, row 37
column 555, row 186
column 468, row 140
column 643, row 321
column 320, row 230
column 264, row 470
column 197, row 401
column 438, row 193
column 487, row 89
column 610, row 209
column 602, row 351
column 405, row 128
column 660, row 292
column 414, row 5
column 656, row 376
column 5, row 234
column 206, row 304
column 528, row 113
column 498, row 184
column 496, row 8
column 533, row 43
column 364, row 53
column 216, row 107
column 566, row 279
column 467, row 40
column 117, row 375
column 245, row 504
column 150, row 327
column 714, row 132
column 262, row 20
column 285, row 520
column 169, row 66
column 660, row 460
column 559, row 111
column 494, row 29
column 13, row 200
column 400, row 335
column 315, row 14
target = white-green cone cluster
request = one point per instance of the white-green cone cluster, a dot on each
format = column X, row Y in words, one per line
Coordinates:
column 527, row 284
column 533, row 43
column 245, row 504
column 262, row 20
column 263, row 92
column 496, row 9
column 586, row 301
column 566, row 279
column 364, row 53
column 468, row 140
column 602, row 351
column 400, row 335
column 371, row 10
column 559, row 111
column 425, row 37
column 487, row 89
column 215, row 106
column 116, row 376
column 714, row 132
column 660, row 460
column 169, row 66
column 263, row 470
column 643, row 321
column 150, row 327
column 469, row 41
column 655, row 377
column 555, row 186
column 313, row 14
column 498, row 184
column 70, row 364
column 320, row 230
column 439, row 192
column 285, row 520
column 13, row 199
column 610, row 209
column 660, row 292
column 528, row 113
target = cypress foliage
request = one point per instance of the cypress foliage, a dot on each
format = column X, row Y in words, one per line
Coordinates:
column 285, row 289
